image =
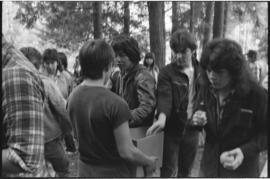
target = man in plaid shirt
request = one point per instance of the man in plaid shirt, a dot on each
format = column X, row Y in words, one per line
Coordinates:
column 22, row 117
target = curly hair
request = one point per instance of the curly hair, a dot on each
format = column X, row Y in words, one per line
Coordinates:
column 125, row 45
column 227, row 54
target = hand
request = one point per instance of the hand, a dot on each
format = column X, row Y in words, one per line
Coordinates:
column 236, row 158
column 70, row 143
column 156, row 127
column 199, row 118
column 152, row 167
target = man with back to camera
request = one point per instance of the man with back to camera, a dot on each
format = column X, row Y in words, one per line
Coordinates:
column 101, row 120
column 23, row 98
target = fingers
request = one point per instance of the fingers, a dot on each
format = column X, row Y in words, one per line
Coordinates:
column 151, row 130
column 238, row 159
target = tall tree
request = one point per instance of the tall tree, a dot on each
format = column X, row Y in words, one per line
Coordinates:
column 209, row 12
column 97, row 8
column 126, row 17
column 175, row 16
column 192, row 17
column 218, row 19
column 226, row 14
column 156, row 30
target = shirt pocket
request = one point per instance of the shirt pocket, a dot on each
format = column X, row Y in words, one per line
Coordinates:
column 245, row 120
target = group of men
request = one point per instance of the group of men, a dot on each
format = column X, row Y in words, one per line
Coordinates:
column 39, row 113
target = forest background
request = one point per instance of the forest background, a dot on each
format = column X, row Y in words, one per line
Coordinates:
column 66, row 25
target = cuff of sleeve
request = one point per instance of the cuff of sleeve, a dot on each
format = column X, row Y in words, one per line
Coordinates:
column 14, row 157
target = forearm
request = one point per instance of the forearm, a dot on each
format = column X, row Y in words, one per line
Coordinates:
column 254, row 146
column 137, row 157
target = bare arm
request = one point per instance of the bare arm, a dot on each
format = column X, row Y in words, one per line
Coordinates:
column 128, row 151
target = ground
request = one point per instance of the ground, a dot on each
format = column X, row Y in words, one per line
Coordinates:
column 194, row 172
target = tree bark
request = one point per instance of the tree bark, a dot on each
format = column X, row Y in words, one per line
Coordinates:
column 218, row 19
column 97, row 7
column 157, row 31
column 191, row 23
column 209, row 11
column 226, row 13
column 175, row 16
column 126, row 17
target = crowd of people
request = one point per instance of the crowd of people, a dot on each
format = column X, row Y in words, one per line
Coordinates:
column 49, row 112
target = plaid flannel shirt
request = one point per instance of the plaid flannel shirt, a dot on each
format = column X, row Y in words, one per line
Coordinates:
column 23, row 117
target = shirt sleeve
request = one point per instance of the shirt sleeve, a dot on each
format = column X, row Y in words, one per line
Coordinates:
column 146, row 97
column 164, row 94
column 23, row 116
column 121, row 113
column 58, row 103
column 259, row 140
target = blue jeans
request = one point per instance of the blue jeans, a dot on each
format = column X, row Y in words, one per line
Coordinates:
column 55, row 154
column 179, row 154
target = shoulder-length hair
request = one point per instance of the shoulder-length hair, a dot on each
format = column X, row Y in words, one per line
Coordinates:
column 149, row 55
column 226, row 54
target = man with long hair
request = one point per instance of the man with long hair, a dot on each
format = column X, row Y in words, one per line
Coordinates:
column 234, row 115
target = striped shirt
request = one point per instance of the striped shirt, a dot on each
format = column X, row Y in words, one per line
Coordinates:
column 22, row 114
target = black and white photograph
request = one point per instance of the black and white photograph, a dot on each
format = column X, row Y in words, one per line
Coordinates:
column 132, row 89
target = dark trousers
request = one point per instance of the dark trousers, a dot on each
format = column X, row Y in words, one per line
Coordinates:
column 179, row 154
column 55, row 154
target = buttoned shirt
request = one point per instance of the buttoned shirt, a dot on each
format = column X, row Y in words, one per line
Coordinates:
column 22, row 114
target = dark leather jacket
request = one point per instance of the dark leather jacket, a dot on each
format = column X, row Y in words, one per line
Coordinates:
column 172, row 97
column 137, row 87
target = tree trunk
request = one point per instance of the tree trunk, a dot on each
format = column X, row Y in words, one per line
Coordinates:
column 156, row 31
column 226, row 13
column 191, row 23
column 218, row 19
column 97, row 7
column 209, row 11
column 175, row 16
column 126, row 17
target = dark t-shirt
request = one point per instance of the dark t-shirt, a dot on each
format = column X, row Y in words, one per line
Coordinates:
column 96, row 112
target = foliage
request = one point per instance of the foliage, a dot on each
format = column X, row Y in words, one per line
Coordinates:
column 69, row 23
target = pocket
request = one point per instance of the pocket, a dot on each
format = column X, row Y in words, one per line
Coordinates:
column 245, row 120
column 180, row 93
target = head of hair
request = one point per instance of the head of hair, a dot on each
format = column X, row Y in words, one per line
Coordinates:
column 127, row 45
column 95, row 57
column 227, row 54
column 51, row 56
column 63, row 59
column 33, row 55
column 149, row 55
column 181, row 40
column 252, row 54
